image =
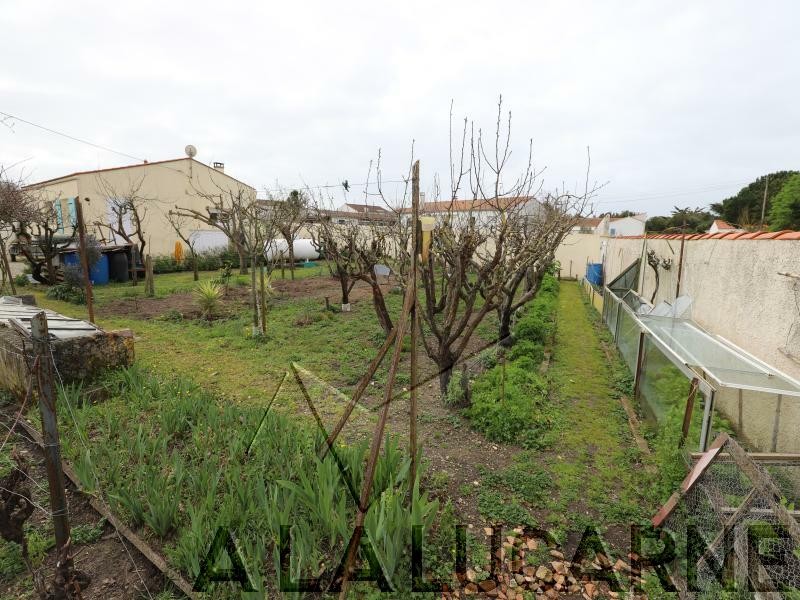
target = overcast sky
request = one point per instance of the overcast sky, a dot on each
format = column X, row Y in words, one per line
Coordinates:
column 681, row 103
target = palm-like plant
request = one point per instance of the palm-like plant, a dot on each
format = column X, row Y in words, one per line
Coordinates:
column 208, row 296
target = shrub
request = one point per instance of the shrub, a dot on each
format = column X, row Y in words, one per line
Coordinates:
column 510, row 407
column 211, row 260
column 67, row 293
column 527, row 349
column 21, row 280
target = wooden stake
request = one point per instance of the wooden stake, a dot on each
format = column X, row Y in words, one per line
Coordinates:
column 149, row 284
column 687, row 415
column 263, row 301
column 377, row 437
column 52, row 449
column 87, row 280
column 415, row 245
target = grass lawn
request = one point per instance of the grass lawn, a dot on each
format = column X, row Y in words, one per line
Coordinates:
column 593, row 474
column 169, row 440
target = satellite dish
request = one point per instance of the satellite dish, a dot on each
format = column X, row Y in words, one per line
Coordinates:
column 191, row 151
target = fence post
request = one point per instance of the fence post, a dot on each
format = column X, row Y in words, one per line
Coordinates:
column 149, row 284
column 52, row 449
column 87, row 280
column 637, row 377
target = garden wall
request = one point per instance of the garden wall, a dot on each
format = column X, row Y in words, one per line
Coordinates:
column 77, row 357
column 735, row 287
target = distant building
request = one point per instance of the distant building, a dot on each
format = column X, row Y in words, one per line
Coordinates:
column 627, row 226
column 353, row 207
column 164, row 184
column 483, row 211
column 720, row 226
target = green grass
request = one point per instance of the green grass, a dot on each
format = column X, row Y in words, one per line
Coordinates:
column 595, row 470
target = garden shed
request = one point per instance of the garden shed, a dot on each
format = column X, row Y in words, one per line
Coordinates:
column 686, row 376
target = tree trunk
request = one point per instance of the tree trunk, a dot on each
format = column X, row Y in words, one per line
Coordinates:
column 194, row 267
column 504, row 331
column 445, row 364
column 291, row 257
column 51, row 274
column 380, row 307
column 6, row 266
column 242, row 261
column 344, row 281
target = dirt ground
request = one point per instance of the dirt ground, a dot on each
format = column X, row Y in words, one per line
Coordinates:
column 118, row 572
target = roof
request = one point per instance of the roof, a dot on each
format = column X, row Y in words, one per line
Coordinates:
column 720, row 224
column 143, row 164
column 363, row 216
column 59, row 326
column 588, row 222
column 786, row 234
column 479, row 204
column 365, row 208
column 639, row 217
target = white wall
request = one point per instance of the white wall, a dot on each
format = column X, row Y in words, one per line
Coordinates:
column 735, row 287
column 626, row 226
column 576, row 250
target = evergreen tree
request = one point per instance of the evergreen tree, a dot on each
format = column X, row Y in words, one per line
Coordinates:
column 785, row 210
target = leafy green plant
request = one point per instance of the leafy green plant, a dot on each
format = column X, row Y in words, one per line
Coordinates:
column 87, row 533
column 208, row 296
column 21, row 280
column 67, row 293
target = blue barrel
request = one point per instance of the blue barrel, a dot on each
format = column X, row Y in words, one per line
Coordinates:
column 99, row 272
column 594, row 273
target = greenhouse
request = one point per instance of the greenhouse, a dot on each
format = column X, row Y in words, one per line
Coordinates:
column 712, row 384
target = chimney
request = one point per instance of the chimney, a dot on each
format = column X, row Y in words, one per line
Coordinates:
column 219, row 166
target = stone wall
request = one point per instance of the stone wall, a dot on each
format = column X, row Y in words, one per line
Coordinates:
column 76, row 358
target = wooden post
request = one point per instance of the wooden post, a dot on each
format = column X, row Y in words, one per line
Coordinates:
column 415, row 237
column 687, row 415
column 134, row 263
column 52, row 449
column 637, row 377
column 149, row 284
column 263, row 300
column 680, row 261
column 377, row 435
column 87, row 280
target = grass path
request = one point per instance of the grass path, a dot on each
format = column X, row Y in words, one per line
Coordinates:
column 596, row 468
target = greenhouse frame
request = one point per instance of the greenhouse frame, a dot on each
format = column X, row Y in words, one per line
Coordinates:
column 677, row 364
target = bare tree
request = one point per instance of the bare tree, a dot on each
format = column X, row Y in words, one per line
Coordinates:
column 15, row 207
column 128, row 208
column 354, row 250
column 248, row 224
column 227, row 209
column 289, row 216
column 480, row 250
column 180, row 223
column 43, row 236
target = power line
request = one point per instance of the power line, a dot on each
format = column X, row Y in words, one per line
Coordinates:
column 71, row 137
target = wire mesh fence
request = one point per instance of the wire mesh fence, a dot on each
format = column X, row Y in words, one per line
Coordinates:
column 735, row 526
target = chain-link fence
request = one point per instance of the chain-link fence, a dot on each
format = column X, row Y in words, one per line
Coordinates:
column 735, row 525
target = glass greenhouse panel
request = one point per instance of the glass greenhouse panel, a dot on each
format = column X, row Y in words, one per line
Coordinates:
column 612, row 314
column 628, row 338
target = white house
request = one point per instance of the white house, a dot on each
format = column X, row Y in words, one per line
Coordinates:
column 720, row 226
column 627, row 226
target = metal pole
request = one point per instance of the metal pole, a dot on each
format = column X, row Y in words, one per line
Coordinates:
column 707, row 414
column 87, row 281
column 764, row 202
column 52, row 449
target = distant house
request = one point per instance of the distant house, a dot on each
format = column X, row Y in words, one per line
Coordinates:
column 720, row 226
column 611, row 227
column 162, row 185
column 353, row 207
column 483, row 211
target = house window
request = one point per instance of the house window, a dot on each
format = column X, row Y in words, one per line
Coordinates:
column 613, row 232
column 72, row 212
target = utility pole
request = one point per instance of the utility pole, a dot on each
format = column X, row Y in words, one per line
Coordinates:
column 680, row 260
column 87, row 281
column 764, row 202
column 52, row 449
